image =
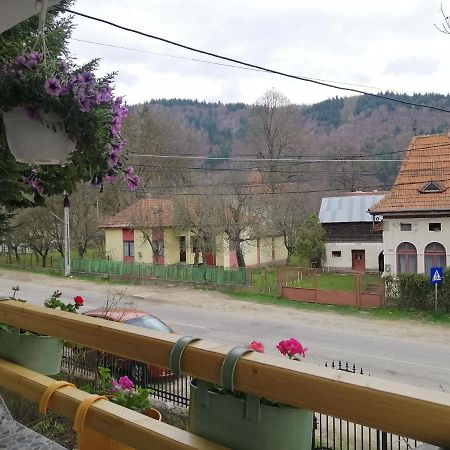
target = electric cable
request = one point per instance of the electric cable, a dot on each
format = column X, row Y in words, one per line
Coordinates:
column 254, row 66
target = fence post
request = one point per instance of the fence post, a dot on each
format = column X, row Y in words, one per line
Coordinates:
column 280, row 281
column 316, row 287
column 358, row 289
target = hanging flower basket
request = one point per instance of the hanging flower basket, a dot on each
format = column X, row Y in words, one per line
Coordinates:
column 35, row 142
column 57, row 113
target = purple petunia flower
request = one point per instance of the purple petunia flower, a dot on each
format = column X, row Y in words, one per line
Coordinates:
column 86, row 77
column 119, row 146
column 133, row 182
column 21, row 60
column 65, row 88
column 53, row 86
column 34, row 183
column 104, row 96
column 113, row 158
column 86, row 105
column 128, row 172
column 63, row 65
column 110, row 177
column 34, row 56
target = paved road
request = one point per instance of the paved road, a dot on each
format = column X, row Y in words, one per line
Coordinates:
column 418, row 356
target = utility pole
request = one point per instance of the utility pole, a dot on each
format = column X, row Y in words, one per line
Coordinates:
column 67, row 268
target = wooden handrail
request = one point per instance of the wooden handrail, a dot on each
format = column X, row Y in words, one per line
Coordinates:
column 120, row 423
column 405, row 410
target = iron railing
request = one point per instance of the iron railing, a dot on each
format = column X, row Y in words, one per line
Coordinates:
column 329, row 432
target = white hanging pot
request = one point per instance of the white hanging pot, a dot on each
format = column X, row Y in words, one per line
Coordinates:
column 33, row 141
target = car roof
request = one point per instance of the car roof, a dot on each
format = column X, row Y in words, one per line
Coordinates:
column 117, row 314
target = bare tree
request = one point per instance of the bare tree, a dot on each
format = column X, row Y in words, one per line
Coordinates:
column 151, row 216
column 200, row 214
column 85, row 220
column 34, row 226
column 155, row 131
column 275, row 134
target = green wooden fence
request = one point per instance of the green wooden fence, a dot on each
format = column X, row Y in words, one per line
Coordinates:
column 195, row 274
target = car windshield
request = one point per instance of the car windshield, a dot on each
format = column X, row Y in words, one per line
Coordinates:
column 149, row 322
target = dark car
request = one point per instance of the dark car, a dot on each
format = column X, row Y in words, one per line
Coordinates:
column 139, row 372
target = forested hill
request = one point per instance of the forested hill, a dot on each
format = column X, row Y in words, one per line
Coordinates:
column 359, row 125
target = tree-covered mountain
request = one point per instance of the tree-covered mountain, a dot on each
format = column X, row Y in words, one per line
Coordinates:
column 338, row 128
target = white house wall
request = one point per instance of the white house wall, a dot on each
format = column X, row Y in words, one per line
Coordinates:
column 419, row 235
column 372, row 251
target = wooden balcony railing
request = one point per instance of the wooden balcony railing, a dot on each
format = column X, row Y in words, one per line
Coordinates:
column 393, row 407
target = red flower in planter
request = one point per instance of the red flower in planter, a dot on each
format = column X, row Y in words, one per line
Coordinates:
column 256, row 346
column 291, row 347
column 79, row 300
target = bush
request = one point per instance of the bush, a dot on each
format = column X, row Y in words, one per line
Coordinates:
column 414, row 291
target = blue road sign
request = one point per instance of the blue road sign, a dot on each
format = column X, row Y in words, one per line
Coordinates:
column 437, row 275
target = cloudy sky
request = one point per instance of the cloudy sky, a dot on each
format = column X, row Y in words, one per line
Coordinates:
column 382, row 45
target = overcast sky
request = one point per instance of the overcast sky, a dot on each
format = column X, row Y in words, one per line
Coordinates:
column 384, row 44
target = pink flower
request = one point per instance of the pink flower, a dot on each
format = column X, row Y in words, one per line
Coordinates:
column 291, row 347
column 256, row 346
column 125, row 383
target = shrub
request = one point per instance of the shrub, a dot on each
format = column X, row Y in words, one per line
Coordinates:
column 415, row 292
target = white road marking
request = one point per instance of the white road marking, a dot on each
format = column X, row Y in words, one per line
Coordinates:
column 184, row 324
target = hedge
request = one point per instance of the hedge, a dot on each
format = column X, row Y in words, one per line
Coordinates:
column 414, row 291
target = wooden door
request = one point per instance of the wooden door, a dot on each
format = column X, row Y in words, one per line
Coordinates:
column 358, row 260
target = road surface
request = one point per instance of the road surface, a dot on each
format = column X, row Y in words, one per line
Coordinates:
column 405, row 351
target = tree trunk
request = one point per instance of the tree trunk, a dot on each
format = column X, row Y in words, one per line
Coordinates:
column 16, row 252
column 81, row 250
column 196, row 256
column 240, row 256
column 44, row 259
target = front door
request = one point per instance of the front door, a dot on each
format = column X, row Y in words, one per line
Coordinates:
column 358, row 260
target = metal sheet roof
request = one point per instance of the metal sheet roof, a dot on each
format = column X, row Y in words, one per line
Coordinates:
column 349, row 208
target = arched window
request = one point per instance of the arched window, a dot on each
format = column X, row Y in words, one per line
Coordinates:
column 406, row 258
column 434, row 256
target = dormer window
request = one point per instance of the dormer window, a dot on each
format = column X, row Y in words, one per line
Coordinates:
column 431, row 187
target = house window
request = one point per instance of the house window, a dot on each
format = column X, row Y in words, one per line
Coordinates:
column 406, row 258
column 405, row 227
column 434, row 226
column 431, row 187
column 434, row 256
column 128, row 248
column 336, row 253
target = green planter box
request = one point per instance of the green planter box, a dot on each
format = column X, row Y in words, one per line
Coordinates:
column 223, row 420
column 39, row 353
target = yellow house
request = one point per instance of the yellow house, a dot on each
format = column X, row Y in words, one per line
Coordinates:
column 148, row 232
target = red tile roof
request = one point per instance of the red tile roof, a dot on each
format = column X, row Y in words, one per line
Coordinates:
column 426, row 159
column 148, row 212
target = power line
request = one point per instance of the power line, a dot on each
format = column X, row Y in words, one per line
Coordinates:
column 237, row 159
column 254, row 66
column 349, row 157
column 309, row 191
column 103, row 44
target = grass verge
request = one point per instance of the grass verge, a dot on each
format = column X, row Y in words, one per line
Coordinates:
column 386, row 313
